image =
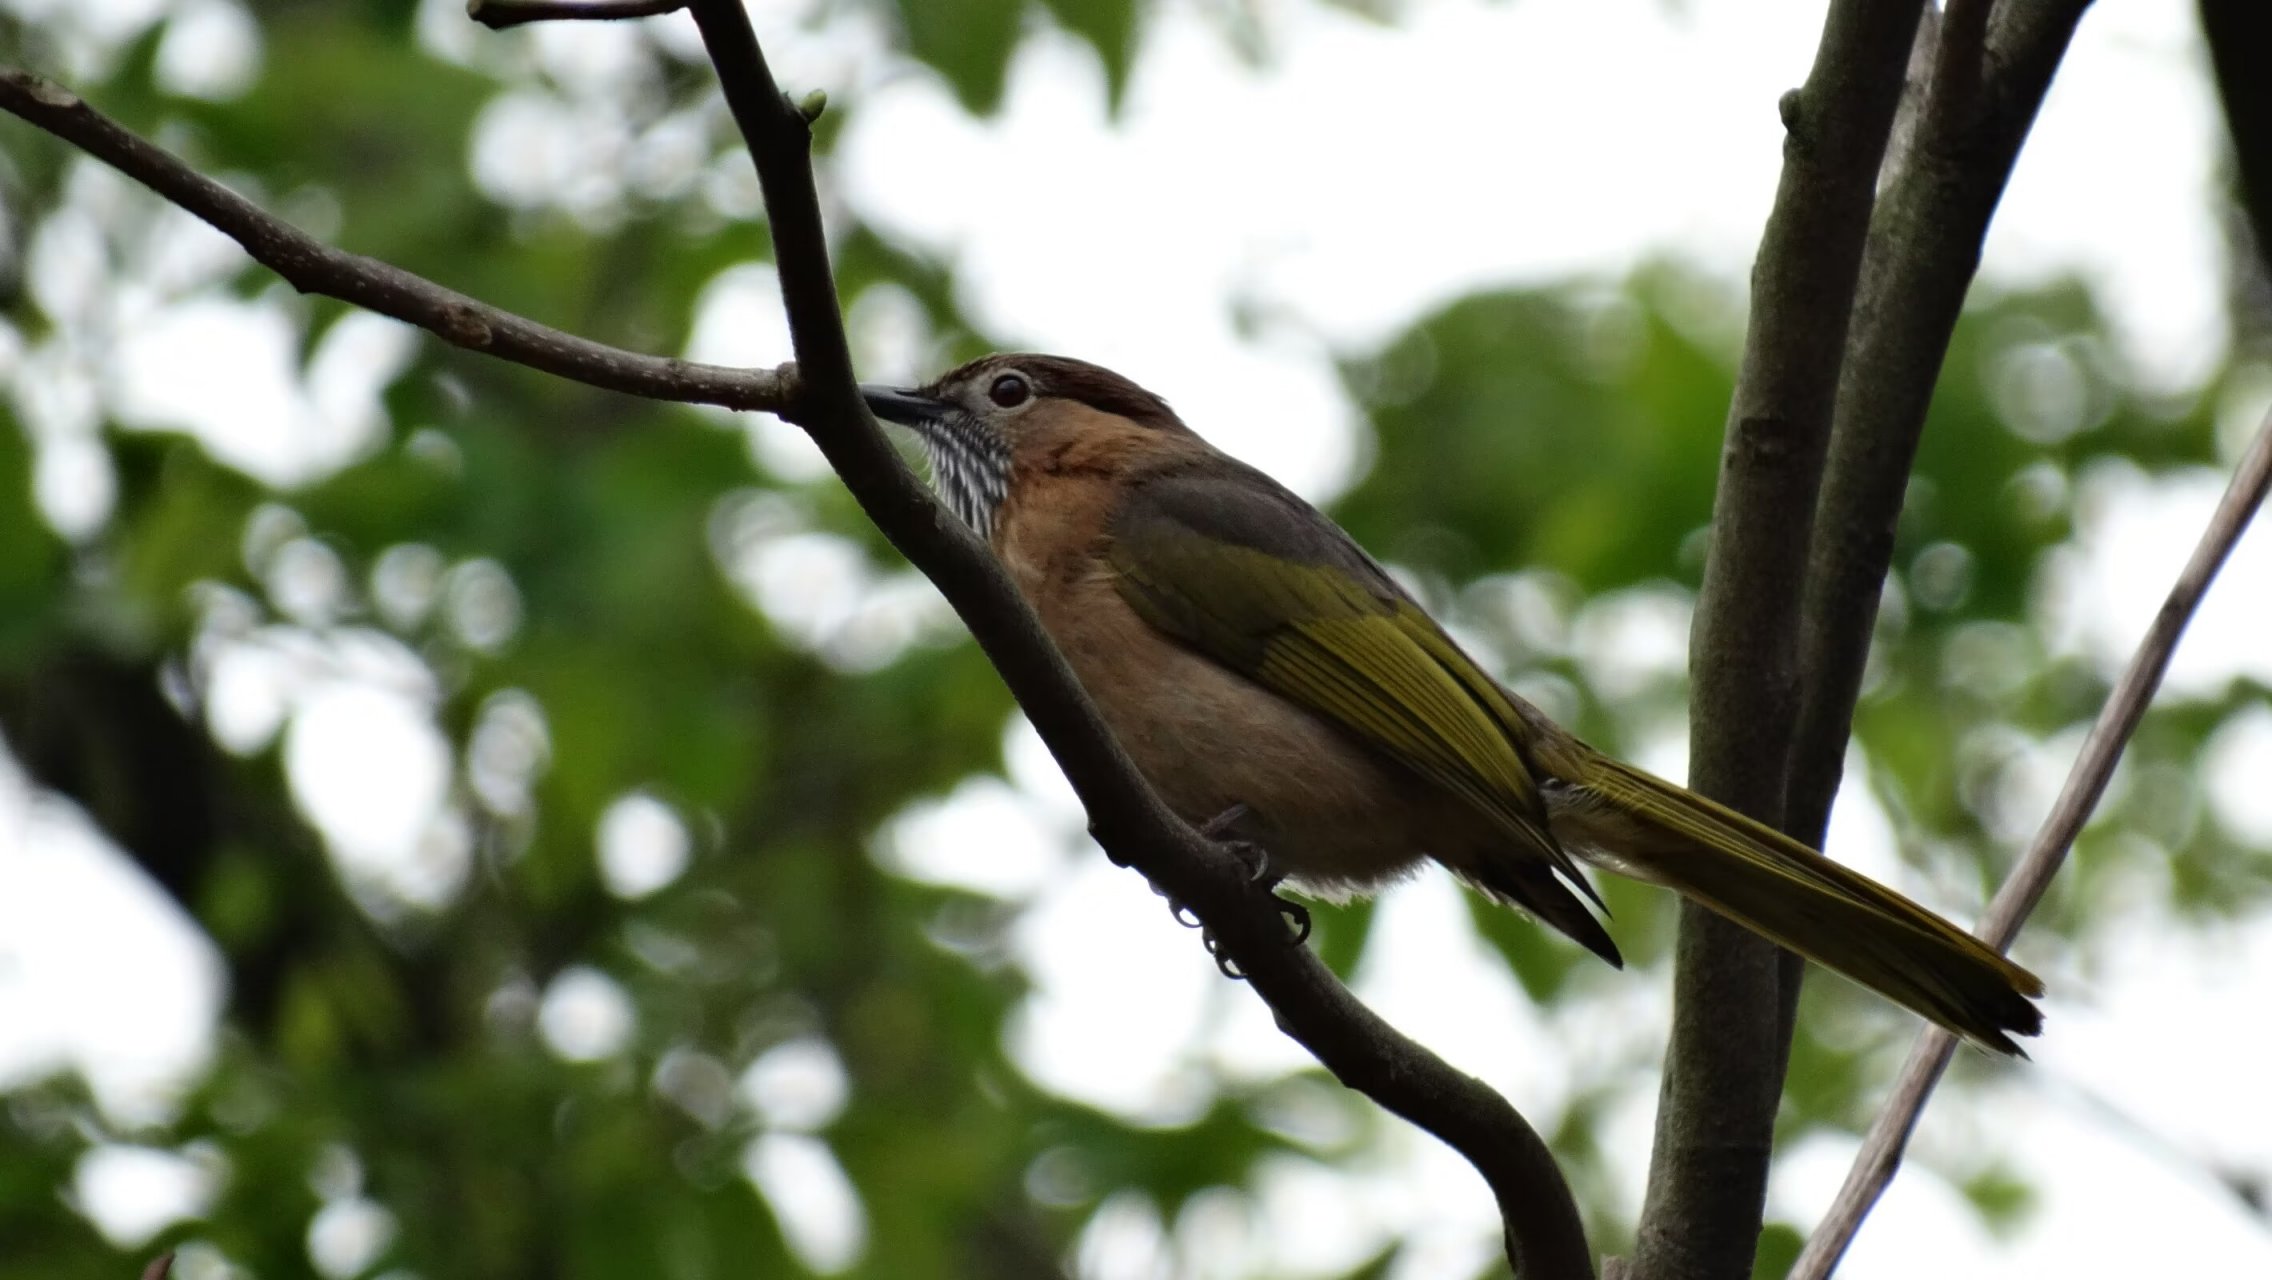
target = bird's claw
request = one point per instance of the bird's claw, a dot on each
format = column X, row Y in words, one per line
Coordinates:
column 1258, row 868
column 1223, row 959
column 1297, row 915
column 1256, row 860
column 1259, row 872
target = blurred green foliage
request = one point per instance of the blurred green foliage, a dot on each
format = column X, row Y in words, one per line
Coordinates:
column 1537, row 457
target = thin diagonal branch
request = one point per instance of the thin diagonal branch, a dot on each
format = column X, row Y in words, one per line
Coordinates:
column 1881, row 1152
column 312, row 266
column 1544, row 1236
column 1724, row 1065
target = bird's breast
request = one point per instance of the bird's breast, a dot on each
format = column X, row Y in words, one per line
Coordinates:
column 1207, row 738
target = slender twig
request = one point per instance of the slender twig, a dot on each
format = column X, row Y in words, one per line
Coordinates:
column 1543, row 1233
column 160, row 1267
column 500, row 14
column 1724, row 1064
column 314, row 267
column 1881, row 1151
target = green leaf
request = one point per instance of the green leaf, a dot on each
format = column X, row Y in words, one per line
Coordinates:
column 2003, row 1198
column 1779, row 1245
column 32, row 569
column 1110, row 28
column 967, row 41
column 1539, row 429
column 1541, row 959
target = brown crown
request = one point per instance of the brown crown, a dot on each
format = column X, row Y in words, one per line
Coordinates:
column 1070, row 379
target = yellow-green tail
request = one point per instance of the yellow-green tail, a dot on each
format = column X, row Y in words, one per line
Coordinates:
column 1645, row 827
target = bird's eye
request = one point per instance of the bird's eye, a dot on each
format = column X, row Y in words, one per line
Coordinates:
column 1009, row 391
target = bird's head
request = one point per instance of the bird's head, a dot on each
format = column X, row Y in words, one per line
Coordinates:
column 977, row 422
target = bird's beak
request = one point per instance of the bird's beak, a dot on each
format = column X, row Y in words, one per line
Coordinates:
column 903, row 405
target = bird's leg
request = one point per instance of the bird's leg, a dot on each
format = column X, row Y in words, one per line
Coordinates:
column 1260, row 872
column 1217, row 831
column 1219, row 826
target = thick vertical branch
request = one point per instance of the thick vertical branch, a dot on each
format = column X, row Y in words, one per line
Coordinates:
column 1724, row 1066
column 2239, row 33
column 1989, row 78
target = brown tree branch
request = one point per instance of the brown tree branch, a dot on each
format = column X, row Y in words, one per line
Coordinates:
column 1989, row 77
column 1544, row 1236
column 311, row 266
column 1881, row 1152
column 1543, row 1233
column 1730, row 1036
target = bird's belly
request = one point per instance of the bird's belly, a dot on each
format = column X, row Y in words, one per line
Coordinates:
column 1334, row 817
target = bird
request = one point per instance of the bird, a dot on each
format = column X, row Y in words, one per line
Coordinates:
column 1277, row 687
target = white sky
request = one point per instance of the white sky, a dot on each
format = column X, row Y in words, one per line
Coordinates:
column 1364, row 175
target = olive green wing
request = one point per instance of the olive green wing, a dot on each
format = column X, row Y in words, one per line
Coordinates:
column 1241, row 570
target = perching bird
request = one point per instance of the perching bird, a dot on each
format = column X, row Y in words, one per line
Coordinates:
column 1262, row 670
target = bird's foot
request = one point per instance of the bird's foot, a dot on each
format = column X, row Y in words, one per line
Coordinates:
column 1267, row 878
column 1217, row 831
column 1260, row 873
column 1252, row 855
column 1296, row 916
